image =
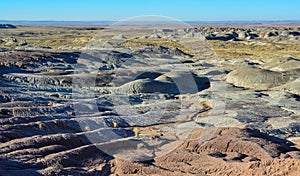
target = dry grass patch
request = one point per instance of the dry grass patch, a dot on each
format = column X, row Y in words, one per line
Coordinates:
column 234, row 49
column 155, row 42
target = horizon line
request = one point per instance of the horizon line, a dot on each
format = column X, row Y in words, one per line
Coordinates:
column 60, row 22
column 121, row 20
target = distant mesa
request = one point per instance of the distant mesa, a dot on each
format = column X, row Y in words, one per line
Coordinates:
column 7, row 26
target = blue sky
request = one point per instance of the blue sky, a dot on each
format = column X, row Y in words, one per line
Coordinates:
column 189, row 10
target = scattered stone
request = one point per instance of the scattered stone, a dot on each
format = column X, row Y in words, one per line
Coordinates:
column 23, row 43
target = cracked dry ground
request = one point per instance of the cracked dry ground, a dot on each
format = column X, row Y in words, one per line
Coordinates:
column 40, row 135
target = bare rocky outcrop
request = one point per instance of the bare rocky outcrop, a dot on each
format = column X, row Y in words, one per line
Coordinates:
column 226, row 151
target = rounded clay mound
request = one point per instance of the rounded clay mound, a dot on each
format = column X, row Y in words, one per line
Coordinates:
column 169, row 83
column 148, row 86
column 186, row 81
column 283, row 64
column 256, row 78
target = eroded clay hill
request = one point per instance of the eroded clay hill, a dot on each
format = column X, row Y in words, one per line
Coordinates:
column 158, row 104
